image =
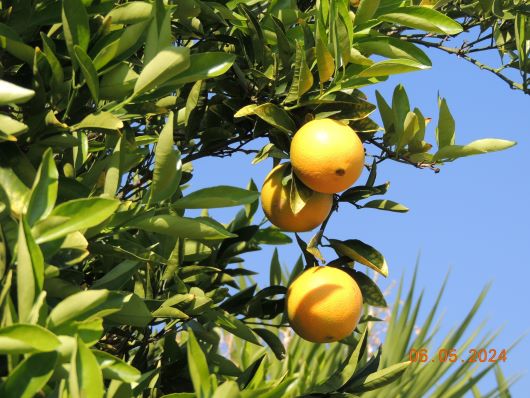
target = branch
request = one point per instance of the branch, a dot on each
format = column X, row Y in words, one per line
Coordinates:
column 402, row 159
column 462, row 53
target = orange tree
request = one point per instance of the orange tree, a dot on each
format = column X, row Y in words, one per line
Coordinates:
column 107, row 287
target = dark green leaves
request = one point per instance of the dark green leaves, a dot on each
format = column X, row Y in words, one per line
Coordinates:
column 423, row 18
column 362, row 253
column 372, row 295
column 302, row 78
column 215, row 197
column 388, row 205
column 88, row 70
column 380, row 378
column 168, row 167
column 199, row 228
column 270, row 113
column 75, row 25
column 30, row 376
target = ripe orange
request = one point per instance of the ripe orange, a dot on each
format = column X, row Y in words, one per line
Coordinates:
column 324, row 304
column 275, row 201
column 327, row 155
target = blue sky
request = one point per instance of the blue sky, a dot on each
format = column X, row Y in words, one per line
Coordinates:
column 472, row 218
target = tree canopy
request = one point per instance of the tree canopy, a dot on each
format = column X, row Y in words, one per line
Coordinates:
column 108, row 286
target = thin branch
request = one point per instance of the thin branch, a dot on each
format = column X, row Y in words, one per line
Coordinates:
column 402, row 159
column 462, row 54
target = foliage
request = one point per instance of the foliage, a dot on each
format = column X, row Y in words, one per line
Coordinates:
column 107, row 285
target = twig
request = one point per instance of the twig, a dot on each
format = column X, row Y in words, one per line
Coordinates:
column 402, row 159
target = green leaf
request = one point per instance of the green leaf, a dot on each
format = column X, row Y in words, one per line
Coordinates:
column 272, row 236
column 44, row 191
column 387, row 205
column 273, row 341
column 216, row 197
column 380, row 378
column 445, row 132
column 75, row 25
column 302, row 78
column 386, row 112
column 30, row 376
column 270, row 113
column 284, row 46
column 10, row 127
column 204, row 66
column 198, row 367
column 116, row 369
column 129, row 40
column 30, row 271
column 423, row 18
column 89, row 331
column 118, row 83
column 84, row 305
column 131, row 12
column 228, row 389
column 400, row 110
column 133, row 313
column 300, row 194
column 114, row 168
column 85, row 379
column 392, row 67
column 269, row 150
column 357, row 193
column 372, row 295
column 233, row 325
column 325, row 62
column 89, row 72
column 486, row 145
column 168, row 166
column 362, row 253
column 13, row 94
column 366, row 11
column 275, row 277
column 392, row 48
column 100, row 120
column 176, row 226
column 74, row 215
column 24, row 339
column 117, row 276
column 167, row 64
column 11, row 43
column 346, row 370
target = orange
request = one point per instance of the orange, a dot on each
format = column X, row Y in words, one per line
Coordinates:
column 327, row 155
column 324, row 304
column 275, row 200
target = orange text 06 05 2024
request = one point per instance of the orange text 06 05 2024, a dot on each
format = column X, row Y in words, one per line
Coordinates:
column 453, row 355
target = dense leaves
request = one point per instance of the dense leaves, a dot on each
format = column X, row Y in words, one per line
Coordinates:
column 111, row 283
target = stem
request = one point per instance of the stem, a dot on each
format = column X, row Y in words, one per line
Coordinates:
column 463, row 54
column 401, row 159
